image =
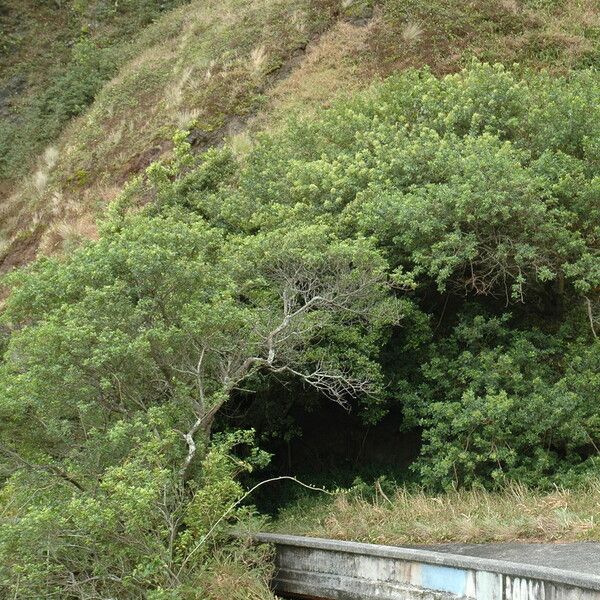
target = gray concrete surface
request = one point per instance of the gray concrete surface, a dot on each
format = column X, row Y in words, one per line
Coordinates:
column 340, row 570
column 583, row 557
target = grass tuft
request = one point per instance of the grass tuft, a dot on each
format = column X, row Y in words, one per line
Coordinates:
column 411, row 33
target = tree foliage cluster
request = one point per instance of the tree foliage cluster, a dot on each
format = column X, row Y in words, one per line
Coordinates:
column 433, row 244
column 481, row 190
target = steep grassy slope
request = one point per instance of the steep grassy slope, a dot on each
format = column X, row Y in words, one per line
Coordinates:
column 54, row 58
column 202, row 63
column 225, row 69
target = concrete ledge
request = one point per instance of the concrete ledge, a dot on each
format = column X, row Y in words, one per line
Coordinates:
column 339, row 570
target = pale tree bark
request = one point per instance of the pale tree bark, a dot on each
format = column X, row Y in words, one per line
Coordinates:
column 593, row 316
column 280, row 345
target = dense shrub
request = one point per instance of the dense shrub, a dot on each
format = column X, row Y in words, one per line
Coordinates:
column 481, row 182
column 464, row 209
column 481, row 187
column 139, row 534
column 482, row 191
column 503, row 403
column 119, row 361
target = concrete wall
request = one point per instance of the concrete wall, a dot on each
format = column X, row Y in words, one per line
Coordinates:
column 317, row 568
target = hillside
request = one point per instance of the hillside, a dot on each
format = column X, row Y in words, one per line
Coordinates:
column 324, row 267
column 92, row 93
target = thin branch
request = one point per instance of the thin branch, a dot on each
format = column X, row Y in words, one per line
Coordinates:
column 238, row 502
column 45, row 468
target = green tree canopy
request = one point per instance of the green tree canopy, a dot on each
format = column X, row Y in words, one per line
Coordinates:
column 435, row 204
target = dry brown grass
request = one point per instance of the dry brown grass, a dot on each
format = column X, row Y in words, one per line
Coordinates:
column 407, row 517
column 203, row 64
column 241, row 573
column 231, row 582
column 330, row 69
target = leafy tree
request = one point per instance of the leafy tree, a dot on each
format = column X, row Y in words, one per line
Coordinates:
column 139, row 533
column 477, row 187
column 481, row 182
column 507, row 404
column 433, row 203
column 122, row 356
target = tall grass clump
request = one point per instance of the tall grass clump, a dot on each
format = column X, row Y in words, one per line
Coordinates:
column 413, row 516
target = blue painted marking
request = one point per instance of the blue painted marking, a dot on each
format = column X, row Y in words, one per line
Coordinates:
column 444, row 579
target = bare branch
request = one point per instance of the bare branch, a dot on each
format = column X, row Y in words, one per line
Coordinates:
column 590, row 312
column 334, row 385
column 53, row 470
column 276, row 342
